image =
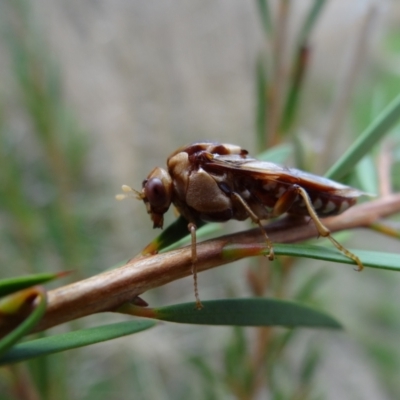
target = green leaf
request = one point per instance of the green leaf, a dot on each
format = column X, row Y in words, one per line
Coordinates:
column 299, row 66
column 26, row 325
column 247, row 312
column 373, row 259
column 11, row 285
column 277, row 154
column 367, row 175
column 365, row 142
column 174, row 232
column 291, row 106
column 206, row 230
column 310, row 21
column 265, row 14
column 72, row 340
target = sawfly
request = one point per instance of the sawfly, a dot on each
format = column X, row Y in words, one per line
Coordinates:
column 217, row 182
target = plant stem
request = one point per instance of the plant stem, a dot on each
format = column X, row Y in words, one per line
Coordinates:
column 109, row 290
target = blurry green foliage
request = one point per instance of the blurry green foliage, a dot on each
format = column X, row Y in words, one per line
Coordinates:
column 47, row 202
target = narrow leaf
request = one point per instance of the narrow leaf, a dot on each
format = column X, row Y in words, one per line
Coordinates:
column 72, row 340
column 366, row 141
column 367, row 175
column 247, row 312
column 299, row 66
column 373, row 259
column 310, row 21
column 277, row 154
column 176, row 231
column 26, row 325
column 206, row 230
column 11, row 285
column 265, row 14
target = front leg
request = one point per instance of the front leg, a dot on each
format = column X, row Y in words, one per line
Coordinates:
column 192, row 229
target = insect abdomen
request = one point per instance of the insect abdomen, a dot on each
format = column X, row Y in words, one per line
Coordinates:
column 323, row 205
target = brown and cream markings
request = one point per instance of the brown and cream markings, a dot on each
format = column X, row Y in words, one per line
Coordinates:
column 218, row 182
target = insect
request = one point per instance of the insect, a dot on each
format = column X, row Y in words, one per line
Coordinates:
column 217, row 182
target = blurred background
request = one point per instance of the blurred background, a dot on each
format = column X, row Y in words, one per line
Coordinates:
column 95, row 94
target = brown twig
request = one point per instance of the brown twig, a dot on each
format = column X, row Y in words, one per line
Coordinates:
column 109, row 290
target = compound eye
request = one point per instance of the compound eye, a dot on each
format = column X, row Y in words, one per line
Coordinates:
column 156, row 193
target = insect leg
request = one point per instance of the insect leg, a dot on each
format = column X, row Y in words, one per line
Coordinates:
column 256, row 220
column 192, row 229
column 323, row 230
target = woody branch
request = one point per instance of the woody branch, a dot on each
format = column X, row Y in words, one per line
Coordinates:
column 109, row 290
